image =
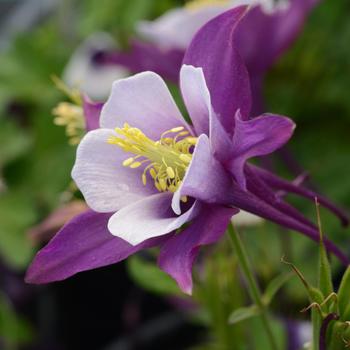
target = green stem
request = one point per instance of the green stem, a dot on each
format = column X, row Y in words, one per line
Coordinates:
column 252, row 283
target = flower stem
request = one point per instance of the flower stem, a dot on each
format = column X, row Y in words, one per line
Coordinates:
column 253, row 288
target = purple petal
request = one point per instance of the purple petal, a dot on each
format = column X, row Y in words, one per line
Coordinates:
column 83, row 244
column 178, row 253
column 257, row 87
column 261, row 189
column 280, row 184
column 92, row 112
column 220, row 141
column 250, row 202
column 148, row 218
column 262, row 37
column 99, row 173
column 143, row 101
column 205, row 179
column 257, row 137
column 212, row 49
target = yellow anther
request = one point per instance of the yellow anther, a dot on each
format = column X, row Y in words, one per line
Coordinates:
column 128, row 161
column 162, row 184
column 178, row 129
column 172, row 188
column 158, row 187
column 74, row 141
column 184, row 199
column 144, row 179
column 135, row 165
column 153, row 173
column 170, row 172
column 183, row 133
column 191, row 140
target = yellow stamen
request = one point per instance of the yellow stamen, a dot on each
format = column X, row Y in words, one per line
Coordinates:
column 184, row 199
column 167, row 158
column 135, row 165
column 144, row 179
column 153, row 173
column 72, row 117
column 178, row 129
column 128, row 161
column 170, row 172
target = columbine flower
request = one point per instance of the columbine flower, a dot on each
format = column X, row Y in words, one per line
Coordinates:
column 82, row 71
column 152, row 179
column 264, row 34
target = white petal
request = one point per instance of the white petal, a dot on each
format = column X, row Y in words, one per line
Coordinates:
column 143, row 101
column 196, row 96
column 106, row 185
column 148, row 218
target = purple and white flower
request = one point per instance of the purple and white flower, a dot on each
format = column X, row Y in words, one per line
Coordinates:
column 152, row 179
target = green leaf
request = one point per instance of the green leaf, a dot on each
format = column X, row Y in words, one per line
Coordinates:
column 13, row 329
column 325, row 283
column 244, row 313
column 316, row 326
column 150, row 277
column 344, row 296
column 275, row 285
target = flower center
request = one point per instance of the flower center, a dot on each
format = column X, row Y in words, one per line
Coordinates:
column 166, row 160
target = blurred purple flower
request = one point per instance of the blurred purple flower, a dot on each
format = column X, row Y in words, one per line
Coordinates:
column 146, row 173
column 264, row 34
column 83, row 73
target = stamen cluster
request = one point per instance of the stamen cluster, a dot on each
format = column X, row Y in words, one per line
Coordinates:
column 71, row 117
column 165, row 160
